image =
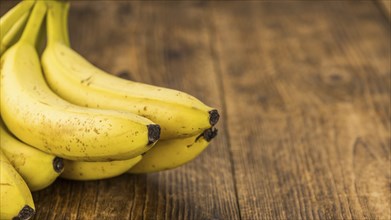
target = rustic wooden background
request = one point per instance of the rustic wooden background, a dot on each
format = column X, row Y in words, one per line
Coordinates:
column 303, row 88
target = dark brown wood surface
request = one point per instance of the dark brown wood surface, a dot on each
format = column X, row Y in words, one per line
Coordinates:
column 303, row 88
column 385, row 5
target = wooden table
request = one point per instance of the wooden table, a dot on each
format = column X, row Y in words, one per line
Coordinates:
column 303, row 88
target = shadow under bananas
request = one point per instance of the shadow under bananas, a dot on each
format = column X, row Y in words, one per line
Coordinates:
column 129, row 196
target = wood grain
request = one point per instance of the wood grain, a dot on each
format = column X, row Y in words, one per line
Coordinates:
column 385, row 5
column 308, row 107
column 303, row 88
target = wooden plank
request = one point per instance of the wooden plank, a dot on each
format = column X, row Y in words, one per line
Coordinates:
column 303, row 89
column 385, row 5
column 307, row 88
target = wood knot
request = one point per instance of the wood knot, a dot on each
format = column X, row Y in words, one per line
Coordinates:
column 336, row 78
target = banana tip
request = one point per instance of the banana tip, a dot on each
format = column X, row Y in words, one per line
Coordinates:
column 210, row 133
column 213, row 117
column 58, row 164
column 26, row 213
column 153, row 133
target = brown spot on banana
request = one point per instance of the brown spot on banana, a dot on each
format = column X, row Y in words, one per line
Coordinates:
column 5, row 184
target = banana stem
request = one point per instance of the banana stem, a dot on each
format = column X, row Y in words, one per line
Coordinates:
column 8, row 19
column 13, row 35
column 31, row 32
column 57, row 22
column 65, row 24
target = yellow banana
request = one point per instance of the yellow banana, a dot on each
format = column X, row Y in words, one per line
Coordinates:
column 78, row 81
column 169, row 154
column 38, row 117
column 80, row 170
column 64, row 24
column 8, row 20
column 16, row 201
column 14, row 33
column 38, row 169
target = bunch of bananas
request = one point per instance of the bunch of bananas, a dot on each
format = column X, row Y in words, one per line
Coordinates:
column 63, row 117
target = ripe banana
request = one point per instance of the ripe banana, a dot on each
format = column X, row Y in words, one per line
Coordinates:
column 75, row 79
column 12, row 36
column 38, row 117
column 64, row 20
column 8, row 20
column 79, row 170
column 169, row 154
column 16, row 201
column 38, row 169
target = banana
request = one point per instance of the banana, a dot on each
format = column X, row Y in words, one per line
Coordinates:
column 16, row 201
column 8, row 20
column 79, row 170
column 169, row 154
column 38, row 117
column 38, row 169
column 14, row 33
column 166, row 154
column 64, row 25
column 75, row 79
